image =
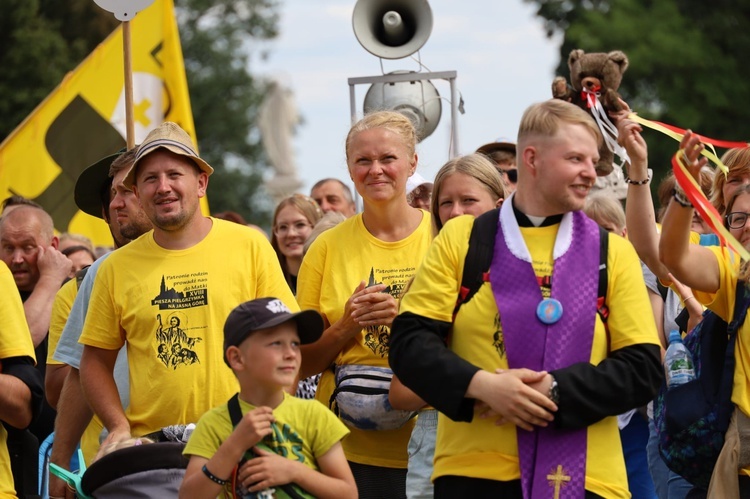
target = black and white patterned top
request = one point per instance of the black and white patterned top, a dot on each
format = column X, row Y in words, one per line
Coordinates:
column 306, row 387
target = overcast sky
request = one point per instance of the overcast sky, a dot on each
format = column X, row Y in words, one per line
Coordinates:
column 498, row 48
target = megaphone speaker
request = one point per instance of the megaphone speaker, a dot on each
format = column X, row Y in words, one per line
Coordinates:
column 392, row 29
column 418, row 100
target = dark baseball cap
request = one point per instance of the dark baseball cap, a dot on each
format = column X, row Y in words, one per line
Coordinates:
column 263, row 313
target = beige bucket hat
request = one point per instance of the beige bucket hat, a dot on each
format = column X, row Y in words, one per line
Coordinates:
column 171, row 137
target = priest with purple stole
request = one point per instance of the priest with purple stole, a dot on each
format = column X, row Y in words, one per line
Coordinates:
column 531, row 373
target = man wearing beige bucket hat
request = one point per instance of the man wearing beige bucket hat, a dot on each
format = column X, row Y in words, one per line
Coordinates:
column 171, row 291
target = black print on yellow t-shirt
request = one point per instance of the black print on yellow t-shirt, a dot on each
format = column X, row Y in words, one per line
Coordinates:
column 378, row 339
column 174, row 346
column 497, row 337
column 194, row 291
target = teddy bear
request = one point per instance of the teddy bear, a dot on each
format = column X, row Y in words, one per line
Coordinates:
column 597, row 72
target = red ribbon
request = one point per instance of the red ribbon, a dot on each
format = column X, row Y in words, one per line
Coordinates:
column 727, row 144
column 586, row 94
column 704, row 208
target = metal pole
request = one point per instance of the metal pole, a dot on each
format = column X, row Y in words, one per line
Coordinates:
column 454, row 119
column 415, row 76
column 353, row 116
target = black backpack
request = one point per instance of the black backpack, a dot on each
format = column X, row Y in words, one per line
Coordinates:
column 691, row 419
column 479, row 258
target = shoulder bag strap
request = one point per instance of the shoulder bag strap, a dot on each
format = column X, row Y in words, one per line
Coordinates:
column 235, row 415
column 741, row 303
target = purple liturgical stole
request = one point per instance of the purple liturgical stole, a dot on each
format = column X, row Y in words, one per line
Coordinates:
column 552, row 461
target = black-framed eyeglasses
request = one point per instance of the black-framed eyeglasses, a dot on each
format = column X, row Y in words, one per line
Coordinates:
column 511, row 174
column 737, row 219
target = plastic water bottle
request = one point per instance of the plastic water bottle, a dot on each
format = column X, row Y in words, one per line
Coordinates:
column 678, row 363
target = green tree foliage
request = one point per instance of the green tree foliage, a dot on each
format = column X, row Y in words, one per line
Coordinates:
column 41, row 40
column 218, row 39
column 37, row 48
column 687, row 60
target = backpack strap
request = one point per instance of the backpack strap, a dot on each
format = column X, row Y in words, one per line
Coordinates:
column 478, row 257
column 601, row 296
column 80, row 275
column 662, row 289
column 741, row 303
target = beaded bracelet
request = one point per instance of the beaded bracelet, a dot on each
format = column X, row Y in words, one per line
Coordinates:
column 681, row 198
column 645, row 181
column 213, row 477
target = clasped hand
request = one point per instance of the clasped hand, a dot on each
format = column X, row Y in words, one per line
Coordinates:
column 369, row 306
column 517, row 396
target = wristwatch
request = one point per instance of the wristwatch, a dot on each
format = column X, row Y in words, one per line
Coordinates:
column 554, row 391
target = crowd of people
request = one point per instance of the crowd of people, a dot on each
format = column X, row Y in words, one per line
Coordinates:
column 497, row 331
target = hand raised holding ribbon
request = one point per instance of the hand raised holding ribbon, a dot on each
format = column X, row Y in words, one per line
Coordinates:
column 629, row 137
column 691, row 148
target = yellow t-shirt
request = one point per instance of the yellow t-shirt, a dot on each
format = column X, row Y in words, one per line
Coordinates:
column 480, row 449
column 333, row 267
column 170, row 307
column 15, row 341
column 60, row 311
column 305, row 430
column 722, row 303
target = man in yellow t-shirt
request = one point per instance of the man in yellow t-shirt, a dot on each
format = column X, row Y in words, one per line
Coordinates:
column 166, row 296
column 21, row 385
column 530, row 347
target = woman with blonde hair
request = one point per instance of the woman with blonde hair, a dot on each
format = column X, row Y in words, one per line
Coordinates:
column 354, row 274
column 463, row 186
column 466, row 185
column 293, row 222
column 607, row 212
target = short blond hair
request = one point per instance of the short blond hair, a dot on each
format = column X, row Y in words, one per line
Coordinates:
column 390, row 120
column 603, row 208
column 543, row 119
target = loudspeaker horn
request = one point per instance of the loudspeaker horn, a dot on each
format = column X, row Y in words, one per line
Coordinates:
column 392, row 29
column 418, row 100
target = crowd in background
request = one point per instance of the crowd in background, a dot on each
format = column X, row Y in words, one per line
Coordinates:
column 135, row 340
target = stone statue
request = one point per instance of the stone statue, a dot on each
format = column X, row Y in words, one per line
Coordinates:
column 277, row 120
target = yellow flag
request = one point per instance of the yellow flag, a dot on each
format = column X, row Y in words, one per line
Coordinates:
column 83, row 119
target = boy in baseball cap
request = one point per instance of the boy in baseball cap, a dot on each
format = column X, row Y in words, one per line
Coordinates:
column 263, row 437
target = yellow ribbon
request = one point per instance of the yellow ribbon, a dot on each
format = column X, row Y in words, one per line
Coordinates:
column 659, row 127
column 705, row 209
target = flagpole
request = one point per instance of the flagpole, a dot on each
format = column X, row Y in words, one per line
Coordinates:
column 128, row 60
column 125, row 11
